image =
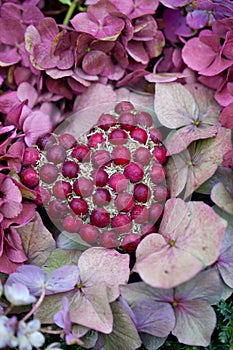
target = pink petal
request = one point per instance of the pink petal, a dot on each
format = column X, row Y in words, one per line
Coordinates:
column 197, row 55
column 83, row 24
column 9, row 57
column 36, row 125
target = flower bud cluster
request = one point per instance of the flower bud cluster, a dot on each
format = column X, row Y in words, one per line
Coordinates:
column 109, row 185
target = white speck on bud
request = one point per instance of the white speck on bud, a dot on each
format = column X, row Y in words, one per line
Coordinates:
column 18, row 294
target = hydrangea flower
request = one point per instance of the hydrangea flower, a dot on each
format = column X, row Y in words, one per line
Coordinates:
column 29, row 336
column 13, row 22
column 7, row 332
column 18, row 294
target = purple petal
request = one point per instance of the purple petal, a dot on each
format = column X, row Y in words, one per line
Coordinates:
column 10, row 10
column 62, row 279
column 197, row 19
column 59, row 87
column 205, row 286
column 83, row 24
column 132, row 78
column 13, row 117
column 48, row 29
column 197, row 55
column 216, row 67
column 31, row 14
column 27, row 92
column 225, row 260
column 101, row 10
column 36, row 125
column 9, row 57
column 94, row 62
column 11, row 30
column 31, row 276
column 226, row 119
column 12, row 205
column 32, row 37
column 154, row 317
column 137, row 51
column 195, row 322
column 111, row 28
column 144, row 7
column 41, row 53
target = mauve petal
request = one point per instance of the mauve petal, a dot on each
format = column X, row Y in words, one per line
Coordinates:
column 42, row 56
column 31, row 14
column 36, row 125
column 80, row 74
column 216, row 67
column 33, row 277
column 213, row 82
column 144, row 7
column 12, row 205
column 32, row 37
column 14, row 248
column 227, row 50
column 223, row 97
column 59, row 87
column 226, row 116
column 109, row 67
column 14, row 116
column 212, row 40
column 27, row 213
column 197, row 19
column 9, row 10
column 27, row 92
column 58, row 74
column 145, row 28
column 12, row 32
column 82, row 23
column 76, row 87
column 197, row 55
column 7, row 266
column 125, row 7
column 137, row 51
column 132, row 77
column 66, row 60
column 7, row 101
column 111, row 28
column 53, row 111
column 94, row 62
column 155, row 47
column 48, row 29
column 195, row 322
column 117, row 74
column 120, row 54
column 100, row 11
column 9, row 57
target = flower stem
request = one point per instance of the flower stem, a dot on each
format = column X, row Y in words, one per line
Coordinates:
column 70, row 12
column 35, row 307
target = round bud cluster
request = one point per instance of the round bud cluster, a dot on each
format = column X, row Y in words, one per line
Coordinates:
column 108, row 186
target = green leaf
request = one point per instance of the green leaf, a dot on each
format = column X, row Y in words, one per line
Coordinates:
column 59, row 258
column 124, row 334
